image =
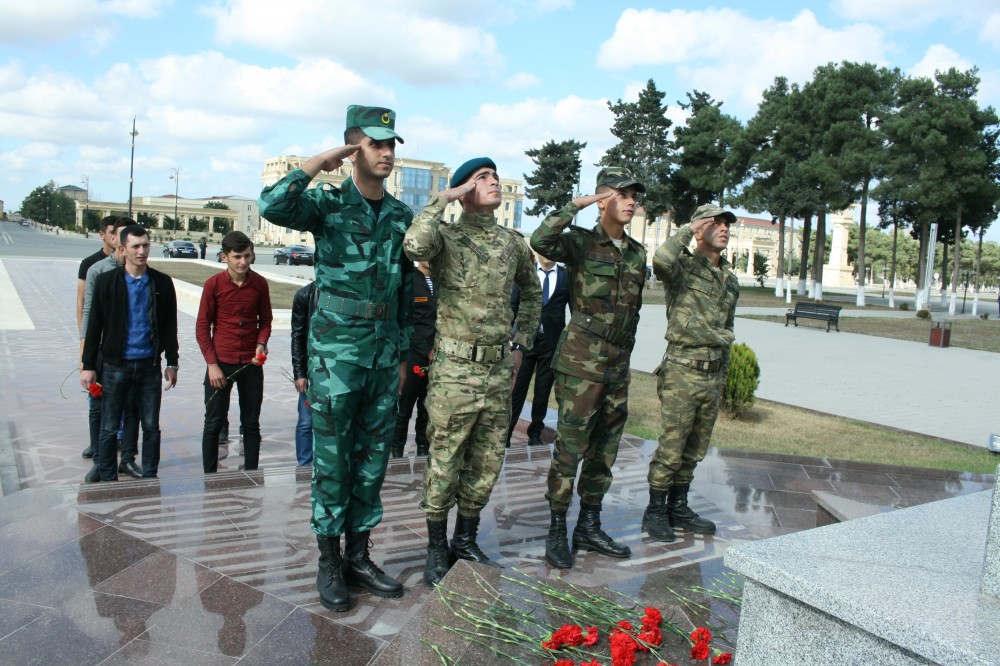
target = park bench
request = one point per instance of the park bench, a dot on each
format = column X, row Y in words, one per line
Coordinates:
column 821, row 311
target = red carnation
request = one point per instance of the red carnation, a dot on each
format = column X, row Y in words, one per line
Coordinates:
column 652, row 618
column 624, row 624
column 651, row 637
column 623, row 649
column 701, row 635
column 590, row 639
column 592, row 662
column 420, row 371
column 95, row 390
column 700, row 651
column 565, row 662
column 259, row 358
column 723, row 658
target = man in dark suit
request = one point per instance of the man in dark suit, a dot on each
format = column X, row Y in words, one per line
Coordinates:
column 538, row 360
column 414, row 389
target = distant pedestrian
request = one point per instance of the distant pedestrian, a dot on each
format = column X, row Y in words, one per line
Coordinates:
column 203, row 244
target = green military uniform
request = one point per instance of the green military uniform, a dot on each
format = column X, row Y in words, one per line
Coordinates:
column 592, row 359
column 357, row 335
column 701, row 306
column 474, row 264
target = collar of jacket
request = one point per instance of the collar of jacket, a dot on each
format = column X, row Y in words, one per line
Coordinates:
column 477, row 219
column 702, row 259
column 351, row 195
column 604, row 239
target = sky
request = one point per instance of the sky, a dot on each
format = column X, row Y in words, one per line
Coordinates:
column 217, row 86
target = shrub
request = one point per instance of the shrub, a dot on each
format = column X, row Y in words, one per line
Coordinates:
column 742, row 381
column 984, row 316
column 904, row 306
column 923, row 314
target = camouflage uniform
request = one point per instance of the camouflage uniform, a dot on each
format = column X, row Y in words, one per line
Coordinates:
column 701, row 306
column 592, row 358
column 357, row 335
column 474, row 264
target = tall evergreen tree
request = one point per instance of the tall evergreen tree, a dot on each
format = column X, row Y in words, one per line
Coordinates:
column 48, row 205
column 643, row 146
column 556, row 175
column 703, row 156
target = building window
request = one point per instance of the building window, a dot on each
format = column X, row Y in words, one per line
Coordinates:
column 517, row 214
column 415, row 200
column 416, row 179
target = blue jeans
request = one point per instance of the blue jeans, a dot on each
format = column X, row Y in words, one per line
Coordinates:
column 138, row 381
column 304, row 433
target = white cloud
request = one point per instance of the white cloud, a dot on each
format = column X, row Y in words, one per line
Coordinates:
column 57, row 20
column 521, row 80
column 991, row 31
column 897, row 14
column 743, row 55
column 939, row 58
column 417, row 46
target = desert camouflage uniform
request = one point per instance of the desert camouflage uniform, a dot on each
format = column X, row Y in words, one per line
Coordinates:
column 592, row 359
column 701, row 306
column 357, row 335
column 474, row 264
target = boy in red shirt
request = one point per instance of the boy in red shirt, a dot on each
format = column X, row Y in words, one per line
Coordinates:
column 234, row 325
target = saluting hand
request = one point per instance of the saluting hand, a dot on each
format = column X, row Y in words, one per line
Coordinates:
column 455, row 193
column 583, row 202
column 331, row 159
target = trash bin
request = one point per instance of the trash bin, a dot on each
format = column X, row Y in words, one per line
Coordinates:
column 940, row 333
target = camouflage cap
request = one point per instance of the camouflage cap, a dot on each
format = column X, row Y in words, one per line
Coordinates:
column 377, row 122
column 711, row 210
column 618, row 178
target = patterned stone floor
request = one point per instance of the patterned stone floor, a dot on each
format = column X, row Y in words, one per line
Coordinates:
column 189, row 569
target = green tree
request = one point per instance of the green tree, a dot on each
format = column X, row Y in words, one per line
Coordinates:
column 147, row 220
column 47, row 205
column 702, row 150
column 92, row 220
column 557, row 172
column 197, row 224
column 643, row 147
column 760, row 267
column 220, row 225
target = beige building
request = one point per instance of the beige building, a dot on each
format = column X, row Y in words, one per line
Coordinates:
column 413, row 182
column 153, row 213
column 747, row 236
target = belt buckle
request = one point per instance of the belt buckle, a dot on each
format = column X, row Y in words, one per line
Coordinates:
column 701, row 365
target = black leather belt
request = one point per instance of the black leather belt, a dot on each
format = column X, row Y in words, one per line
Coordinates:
column 353, row 308
column 698, row 364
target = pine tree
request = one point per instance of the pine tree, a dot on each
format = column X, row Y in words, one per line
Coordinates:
column 556, row 176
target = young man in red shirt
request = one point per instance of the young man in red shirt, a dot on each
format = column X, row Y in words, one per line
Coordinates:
column 234, row 325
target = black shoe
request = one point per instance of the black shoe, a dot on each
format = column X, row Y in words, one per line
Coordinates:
column 330, row 583
column 589, row 535
column 535, row 440
column 223, row 452
column 396, row 451
column 655, row 520
column 557, row 551
column 437, row 551
column 423, row 448
column 682, row 516
column 93, row 476
column 463, row 543
column 129, row 467
column 360, row 570
column 88, row 452
column 224, row 436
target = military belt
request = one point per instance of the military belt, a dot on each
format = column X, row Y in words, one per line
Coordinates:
column 700, row 365
column 353, row 308
column 615, row 336
column 473, row 352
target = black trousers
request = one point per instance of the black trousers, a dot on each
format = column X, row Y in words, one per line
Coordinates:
column 250, row 383
column 413, row 392
column 537, row 362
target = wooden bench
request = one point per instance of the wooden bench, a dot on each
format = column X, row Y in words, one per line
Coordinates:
column 828, row 313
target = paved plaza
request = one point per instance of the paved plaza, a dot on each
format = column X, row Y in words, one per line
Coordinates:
column 189, row 569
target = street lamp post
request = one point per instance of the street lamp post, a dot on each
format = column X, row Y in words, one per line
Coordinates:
column 131, row 168
column 175, row 175
column 85, row 179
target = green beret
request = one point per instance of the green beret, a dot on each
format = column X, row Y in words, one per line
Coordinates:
column 463, row 172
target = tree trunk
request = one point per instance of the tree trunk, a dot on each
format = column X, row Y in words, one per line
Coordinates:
column 804, row 256
column 892, row 274
column 922, row 259
column 944, row 271
column 861, row 244
column 958, row 257
column 778, row 286
column 818, row 255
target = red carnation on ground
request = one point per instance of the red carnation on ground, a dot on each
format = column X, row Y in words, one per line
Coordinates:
column 723, row 658
column 651, row 637
column 623, row 649
column 701, row 635
column 568, row 634
column 700, row 651
column 95, row 390
column 565, row 662
column 590, row 639
column 652, row 618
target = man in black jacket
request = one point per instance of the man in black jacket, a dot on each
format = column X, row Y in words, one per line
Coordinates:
column 414, row 389
column 303, row 306
column 133, row 320
column 537, row 361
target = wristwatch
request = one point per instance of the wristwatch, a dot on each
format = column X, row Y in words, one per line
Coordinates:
column 173, row 367
column 517, row 346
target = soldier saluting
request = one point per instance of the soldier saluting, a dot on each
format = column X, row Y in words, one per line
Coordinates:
column 474, row 264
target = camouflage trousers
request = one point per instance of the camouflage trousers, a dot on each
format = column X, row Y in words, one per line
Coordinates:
column 592, row 418
column 689, row 405
column 468, row 404
column 353, row 412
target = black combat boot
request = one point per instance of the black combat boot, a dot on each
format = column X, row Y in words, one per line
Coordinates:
column 396, row 450
column 557, row 551
column 330, row 584
column 360, row 570
column 681, row 515
column 589, row 535
column 655, row 519
column 423, row 448
column 437, row 551
column 463, row 543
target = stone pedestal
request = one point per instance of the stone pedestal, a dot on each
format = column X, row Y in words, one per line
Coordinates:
column 895, row 588
column 839, row 273
column 991, row 562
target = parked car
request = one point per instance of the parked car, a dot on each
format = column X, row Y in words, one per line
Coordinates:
column 180, row 248
column 294, row 255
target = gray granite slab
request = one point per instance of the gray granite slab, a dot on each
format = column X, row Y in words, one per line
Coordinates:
column 910, row 577
column 991, row 561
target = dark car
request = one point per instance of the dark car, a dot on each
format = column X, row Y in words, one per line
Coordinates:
column 179, row 248
column 294, row 255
